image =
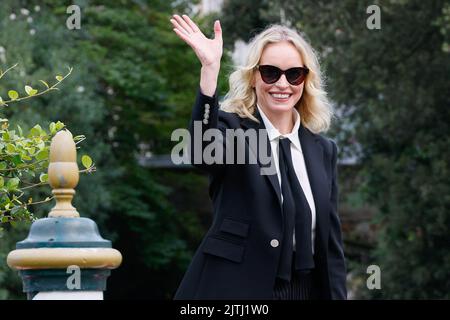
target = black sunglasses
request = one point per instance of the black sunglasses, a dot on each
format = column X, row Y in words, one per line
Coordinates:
column 271, row 74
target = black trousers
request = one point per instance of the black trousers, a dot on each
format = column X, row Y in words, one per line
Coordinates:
column 301, row 286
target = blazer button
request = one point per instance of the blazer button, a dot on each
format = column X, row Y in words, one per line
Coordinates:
column 274, row 243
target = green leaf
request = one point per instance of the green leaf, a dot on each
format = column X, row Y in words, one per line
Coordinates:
column 45, row 83
column 16, row 159
column 52, row 127
column 2, row 166
column 30, row 91
column 20, row 130
column 1, row 101
column 59, row 78
column 43, row 177
column 42, row 155
column 36, row 131
column 40, row 145
column 12, row 184
column 86, row 161
column 59, row 125
column 13, row 94
column 10, row 148
column 2, row 182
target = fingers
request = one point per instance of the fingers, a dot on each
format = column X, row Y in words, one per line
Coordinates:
column 185, row 27
column 183, row 36
column 181, row 31
column 178, row 28
column 191, row 23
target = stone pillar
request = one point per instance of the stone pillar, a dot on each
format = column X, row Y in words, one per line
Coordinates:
column 64, row 256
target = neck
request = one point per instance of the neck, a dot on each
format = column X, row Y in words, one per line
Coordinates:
column 282, row 121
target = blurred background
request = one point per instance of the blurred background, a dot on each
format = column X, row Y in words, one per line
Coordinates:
column 134, row 82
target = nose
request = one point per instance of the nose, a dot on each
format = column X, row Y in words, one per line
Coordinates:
column 282, row 82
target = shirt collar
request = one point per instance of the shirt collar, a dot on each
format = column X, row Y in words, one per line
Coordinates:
column 273, row 132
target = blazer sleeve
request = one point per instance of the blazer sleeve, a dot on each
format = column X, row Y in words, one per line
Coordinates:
column 336, row 259
column 203, row 140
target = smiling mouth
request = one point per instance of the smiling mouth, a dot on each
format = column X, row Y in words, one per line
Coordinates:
column 280, row 96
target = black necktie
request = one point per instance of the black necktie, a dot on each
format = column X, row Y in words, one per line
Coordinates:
column 297, row 214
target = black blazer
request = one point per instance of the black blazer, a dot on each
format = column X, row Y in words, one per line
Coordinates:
column 235, row 259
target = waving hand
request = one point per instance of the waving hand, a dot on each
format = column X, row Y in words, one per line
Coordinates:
column 208, row 51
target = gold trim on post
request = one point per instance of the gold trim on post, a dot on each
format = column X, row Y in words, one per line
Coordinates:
column 59, row 258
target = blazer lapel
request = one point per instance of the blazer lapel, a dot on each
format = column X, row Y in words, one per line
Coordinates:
column 313, row 155
column 273, row 178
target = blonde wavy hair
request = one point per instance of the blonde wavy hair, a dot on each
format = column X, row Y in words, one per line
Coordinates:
column 314, row 107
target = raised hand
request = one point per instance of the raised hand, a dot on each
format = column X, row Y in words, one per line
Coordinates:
column 208, row 51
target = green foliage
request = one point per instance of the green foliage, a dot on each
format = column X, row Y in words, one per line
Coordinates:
column 22, row 158
column 14, row 95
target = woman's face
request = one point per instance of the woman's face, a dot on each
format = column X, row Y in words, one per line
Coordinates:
column 283, row 55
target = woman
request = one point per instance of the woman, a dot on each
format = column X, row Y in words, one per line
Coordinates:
column 277, row 235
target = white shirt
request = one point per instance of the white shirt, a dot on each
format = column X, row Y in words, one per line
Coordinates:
column 297, row 160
